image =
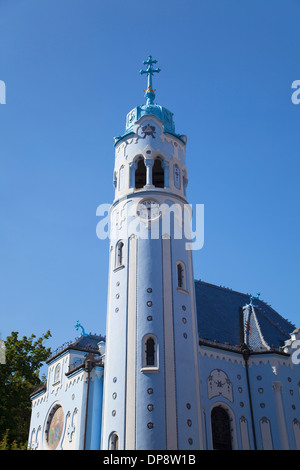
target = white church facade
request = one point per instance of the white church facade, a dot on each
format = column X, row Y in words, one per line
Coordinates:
column 184, row 365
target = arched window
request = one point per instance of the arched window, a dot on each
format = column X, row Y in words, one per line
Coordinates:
column 181, row 277
column 185, row 181
column 113, row 441
column 56, row 374
column 140, row 174
column 158, row 175
column 150, row 352
column 119, row 254
column 115, row 179
column 121, row 178
column 220, row 425
column 177, row 177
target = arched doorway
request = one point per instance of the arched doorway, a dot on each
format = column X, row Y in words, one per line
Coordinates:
column 220, row 425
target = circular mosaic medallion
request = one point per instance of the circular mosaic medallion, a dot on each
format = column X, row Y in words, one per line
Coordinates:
column 55, row 426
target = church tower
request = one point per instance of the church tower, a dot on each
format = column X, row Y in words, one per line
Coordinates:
column 151, row 385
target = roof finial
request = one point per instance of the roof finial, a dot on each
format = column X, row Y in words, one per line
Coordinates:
column 150, row 95
column 254, row 298
column 77, row 326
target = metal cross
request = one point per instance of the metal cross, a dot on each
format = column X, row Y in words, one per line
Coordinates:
column 150, row 71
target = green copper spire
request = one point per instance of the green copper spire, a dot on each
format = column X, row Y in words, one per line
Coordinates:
column 149, row 95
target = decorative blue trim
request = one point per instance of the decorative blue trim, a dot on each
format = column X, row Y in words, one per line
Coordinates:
column 118, row 139
column 180, row 137
column 121, row 137
column 147, row 193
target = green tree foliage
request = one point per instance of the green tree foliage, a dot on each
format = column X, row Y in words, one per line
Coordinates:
column 19, row 376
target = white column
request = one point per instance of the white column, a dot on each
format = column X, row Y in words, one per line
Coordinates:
column 131, row 347
column 266, row 435
column 296, row 429
column 149, row 164
column 170, row 384
column 277, row 386
column 132, row 169
column 196, row 345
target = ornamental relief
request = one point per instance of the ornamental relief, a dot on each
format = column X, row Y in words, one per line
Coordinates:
column 218, row 384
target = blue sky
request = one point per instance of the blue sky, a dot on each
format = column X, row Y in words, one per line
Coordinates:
column 71, row 73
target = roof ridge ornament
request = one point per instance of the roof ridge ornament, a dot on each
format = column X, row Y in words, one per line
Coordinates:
column 77, row 326
column 149, row 93
column 254, row 298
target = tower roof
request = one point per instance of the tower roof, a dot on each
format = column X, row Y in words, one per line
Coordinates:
column 149, row 108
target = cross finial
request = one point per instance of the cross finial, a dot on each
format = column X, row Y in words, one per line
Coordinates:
column 150, row 71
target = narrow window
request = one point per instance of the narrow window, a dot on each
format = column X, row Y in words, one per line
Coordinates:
column 181, row 281
column 150, row 352
column 113, row 441
column 185, row 182
column 140, row 174
column 115, row 179
column 119, row 254
column 180, row 275
column 158, row 176
column 220, row 424
column 121, row 178
column 177, row 180
column 57, row 374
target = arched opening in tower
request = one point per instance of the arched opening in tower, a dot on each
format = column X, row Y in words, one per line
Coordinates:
column 158, row 175
column 140, row 174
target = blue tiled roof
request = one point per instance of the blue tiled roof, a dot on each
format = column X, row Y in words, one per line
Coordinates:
column 219, row 318
column 88, row 343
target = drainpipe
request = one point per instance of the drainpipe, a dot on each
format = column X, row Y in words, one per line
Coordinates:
column 88, row 366
column 246, row 355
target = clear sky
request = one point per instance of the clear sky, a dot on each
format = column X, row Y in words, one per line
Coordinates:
column 71, row 70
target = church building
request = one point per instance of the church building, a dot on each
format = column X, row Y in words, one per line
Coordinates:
column 184, row 365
